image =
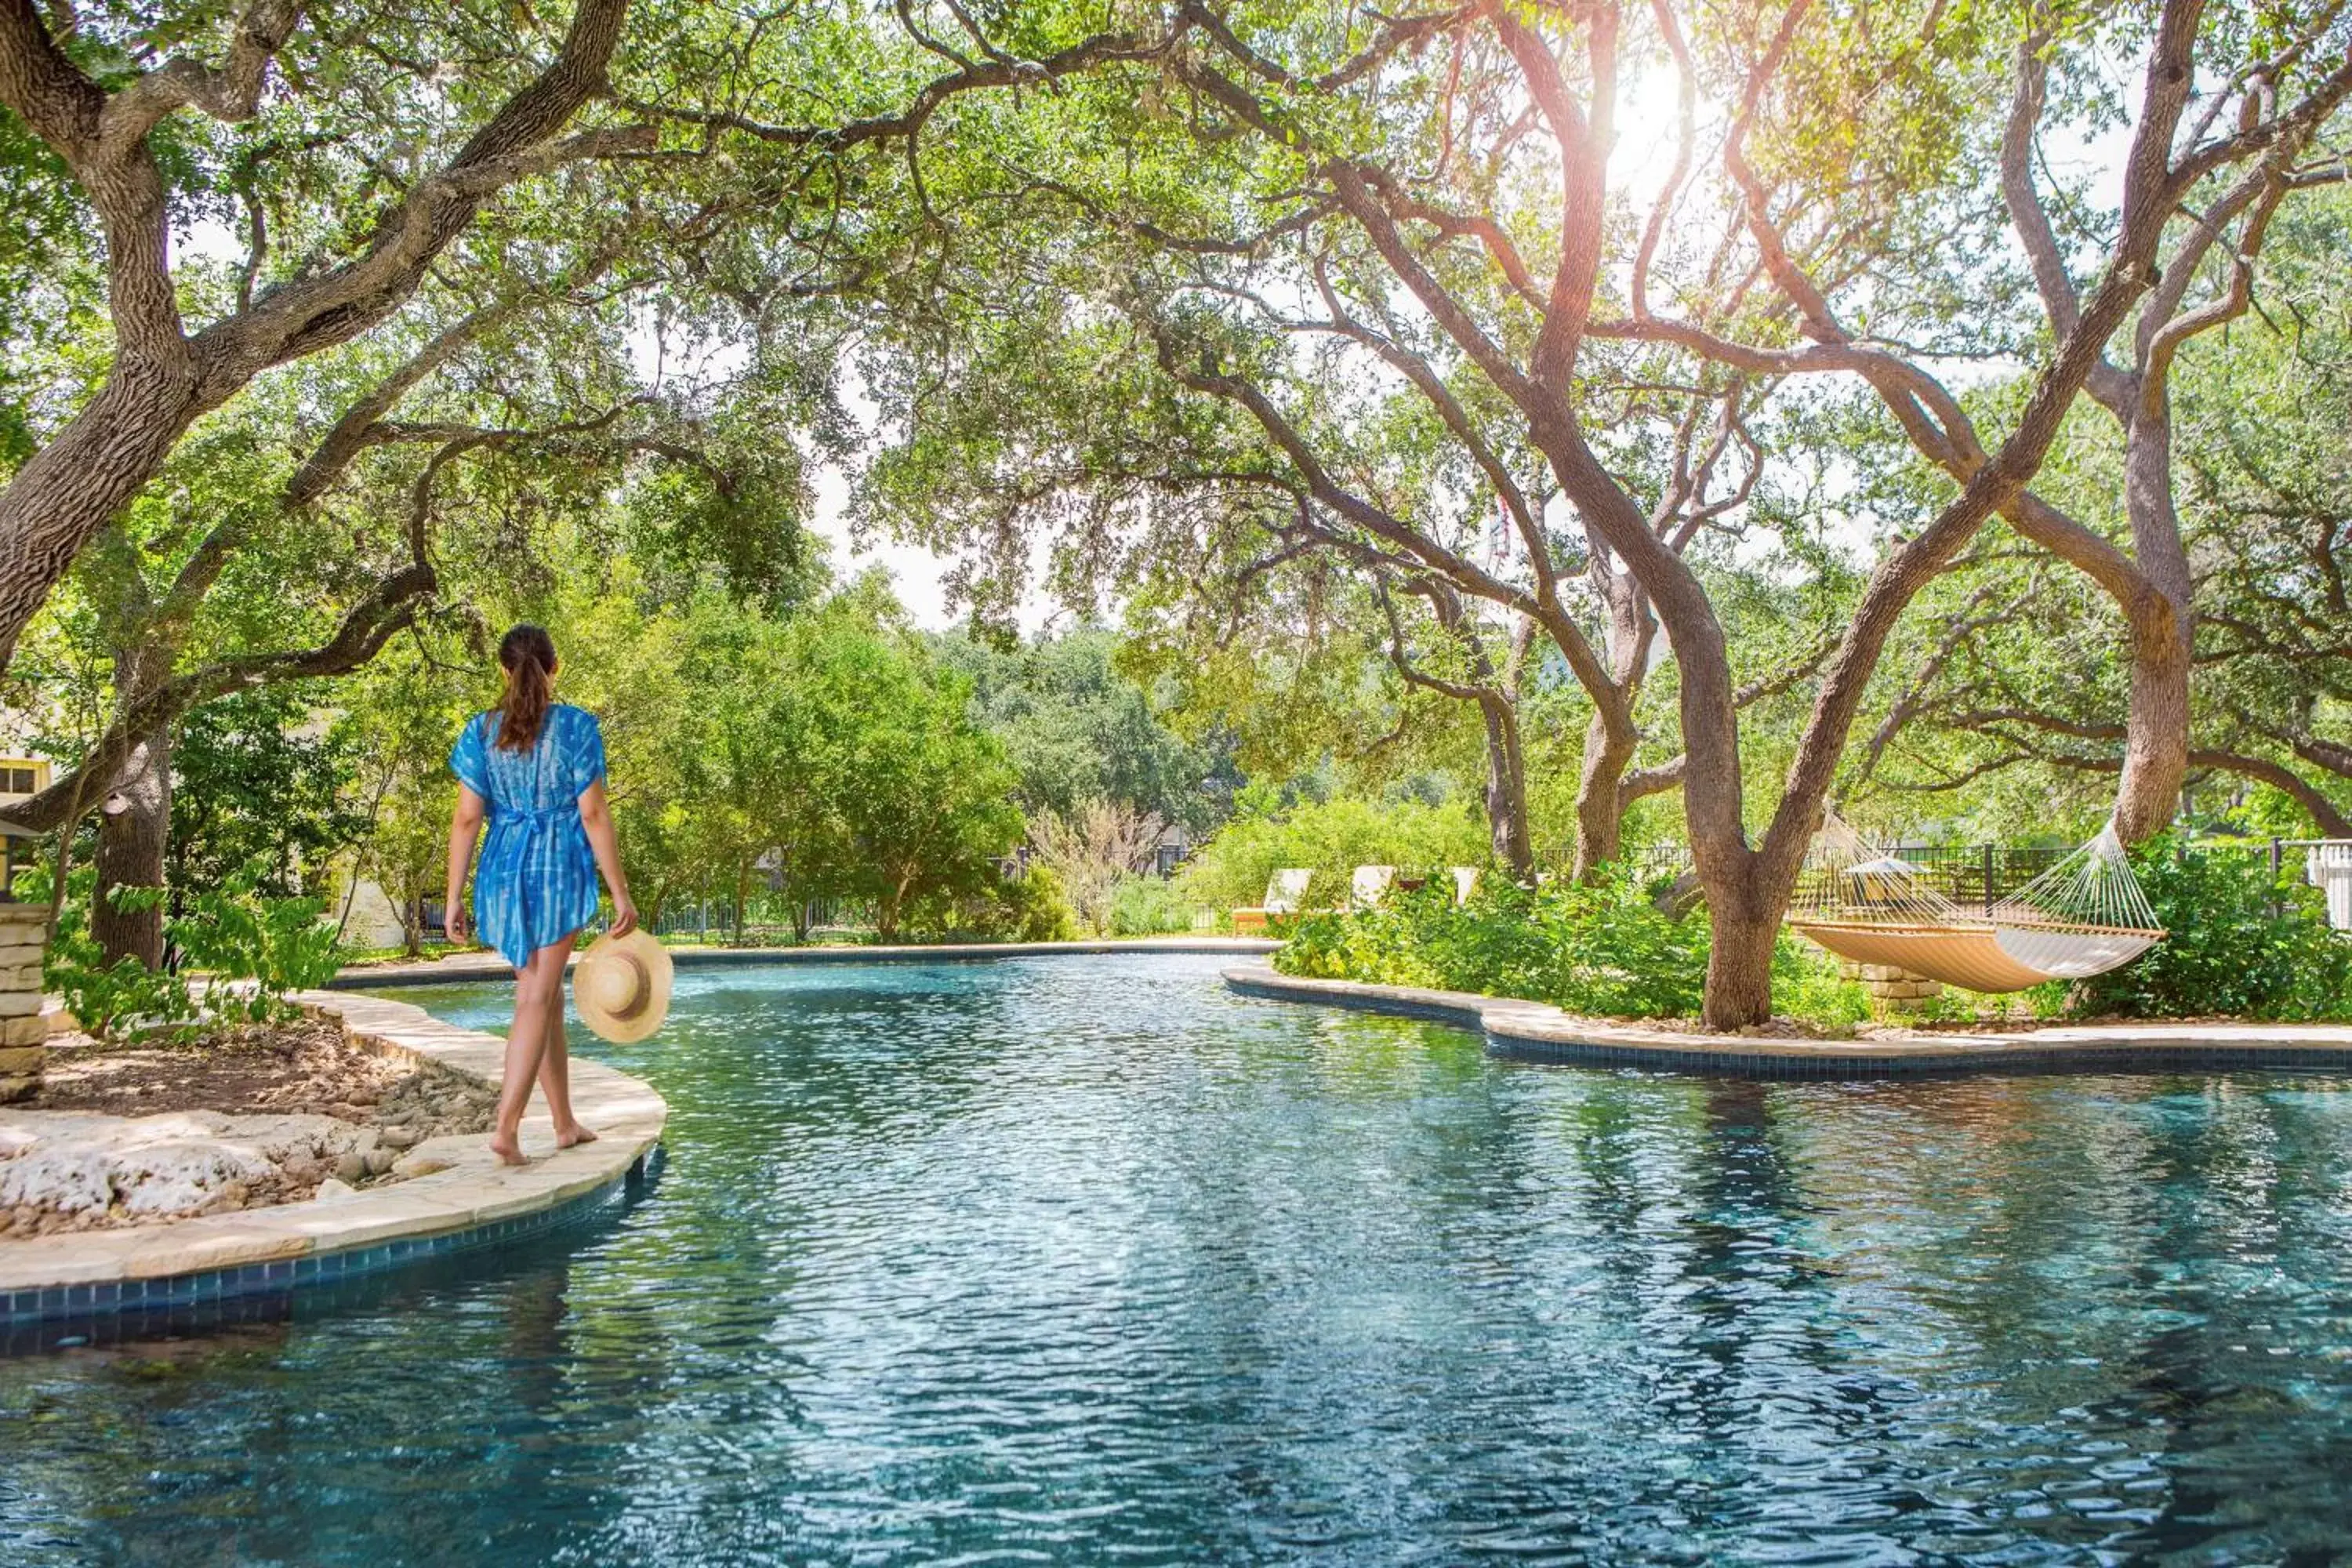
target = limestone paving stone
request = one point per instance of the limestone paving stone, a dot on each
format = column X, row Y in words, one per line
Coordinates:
column 374, row 1216
column 83, row 1258
column 200, row 1245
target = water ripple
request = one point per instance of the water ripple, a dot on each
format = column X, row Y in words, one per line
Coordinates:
column 1078, row 1261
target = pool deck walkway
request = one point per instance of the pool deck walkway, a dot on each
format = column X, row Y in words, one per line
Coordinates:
column 476, row 965
column 1536, row 1031
column 473, row 1200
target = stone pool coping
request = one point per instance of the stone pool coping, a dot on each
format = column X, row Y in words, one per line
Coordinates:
column 1536, row 1031
column 460, row 968
column 476, row 1202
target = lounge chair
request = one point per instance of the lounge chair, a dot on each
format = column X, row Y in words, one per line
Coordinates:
column 2329, row 865
column 1371, row 884
column 1282, row 898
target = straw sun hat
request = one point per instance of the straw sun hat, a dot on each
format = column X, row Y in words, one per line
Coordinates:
column 620, row 986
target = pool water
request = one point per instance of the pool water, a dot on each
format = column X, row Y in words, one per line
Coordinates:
column 1085, row 1260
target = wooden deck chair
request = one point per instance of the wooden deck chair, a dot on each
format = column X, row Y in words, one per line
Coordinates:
column 1283, row 896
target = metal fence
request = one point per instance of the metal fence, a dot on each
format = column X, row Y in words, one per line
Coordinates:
column 1977, row 875
column 762, row 919
column 1971, row 875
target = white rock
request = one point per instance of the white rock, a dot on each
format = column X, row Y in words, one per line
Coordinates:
column 331, row 1191
column 176, row 1163
column 70, row 1178
column 419, row 1164
column 172, row 1178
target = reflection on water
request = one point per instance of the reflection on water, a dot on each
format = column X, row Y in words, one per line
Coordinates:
column 1084, row 1261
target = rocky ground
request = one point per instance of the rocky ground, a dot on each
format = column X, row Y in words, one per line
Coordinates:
column 256, row 1115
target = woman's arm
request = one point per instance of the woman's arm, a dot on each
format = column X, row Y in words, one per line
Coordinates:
column 464, row 827
column 596, row 817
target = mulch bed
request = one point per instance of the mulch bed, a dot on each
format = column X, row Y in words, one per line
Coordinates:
column 250, row 1069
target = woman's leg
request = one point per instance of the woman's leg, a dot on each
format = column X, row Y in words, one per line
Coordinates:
column 555, row 1074
column 535, row 982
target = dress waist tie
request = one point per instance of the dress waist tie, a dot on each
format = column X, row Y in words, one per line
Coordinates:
column 531, row 821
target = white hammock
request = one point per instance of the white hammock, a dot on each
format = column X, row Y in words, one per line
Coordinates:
column 2084, row 916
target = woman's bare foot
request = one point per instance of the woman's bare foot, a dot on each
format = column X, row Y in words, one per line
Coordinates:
column 575, row 1133
column 508, row 1147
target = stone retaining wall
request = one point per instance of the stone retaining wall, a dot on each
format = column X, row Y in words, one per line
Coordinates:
column 23, row 1029
column 1893, row 987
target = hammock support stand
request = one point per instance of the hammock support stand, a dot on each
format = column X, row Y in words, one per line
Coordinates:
column 2085, row 916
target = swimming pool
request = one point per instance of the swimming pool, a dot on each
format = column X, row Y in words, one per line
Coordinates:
column 1085, row 1260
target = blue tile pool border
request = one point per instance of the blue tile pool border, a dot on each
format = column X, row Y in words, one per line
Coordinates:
column 280, row 1277
column 1782, row 1058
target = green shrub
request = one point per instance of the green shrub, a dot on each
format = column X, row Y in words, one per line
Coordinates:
column 1332, row 838
column 1034, row 909
column 114, row 1001
column 2240, row 942
column 1026, row 908
column 1807, row 986
column 1604, row 949
column 251, row 951
column 1149, row 906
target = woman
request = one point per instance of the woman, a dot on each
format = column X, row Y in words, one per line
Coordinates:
column 537, row 767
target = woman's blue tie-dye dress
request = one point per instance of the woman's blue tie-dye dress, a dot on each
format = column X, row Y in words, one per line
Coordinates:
column 537, row 880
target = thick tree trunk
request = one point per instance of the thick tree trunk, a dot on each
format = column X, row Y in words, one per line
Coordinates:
column 2156, row 744
column 1739, row 968
column 2156, row 733
column 886, row 909
column 134, row 826
column 69, row 490
column 1506, row 789
column 1600, row 796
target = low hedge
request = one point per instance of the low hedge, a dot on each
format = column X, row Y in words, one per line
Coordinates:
column 1603, row 949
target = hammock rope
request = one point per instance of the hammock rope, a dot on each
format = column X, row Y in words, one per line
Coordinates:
column 2084, row 916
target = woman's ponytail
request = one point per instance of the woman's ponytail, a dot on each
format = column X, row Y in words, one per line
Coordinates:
column 527, row 654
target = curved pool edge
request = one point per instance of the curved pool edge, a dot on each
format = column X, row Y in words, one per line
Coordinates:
column 473, row 1203
column 460, row 969
column 1536, row 1031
